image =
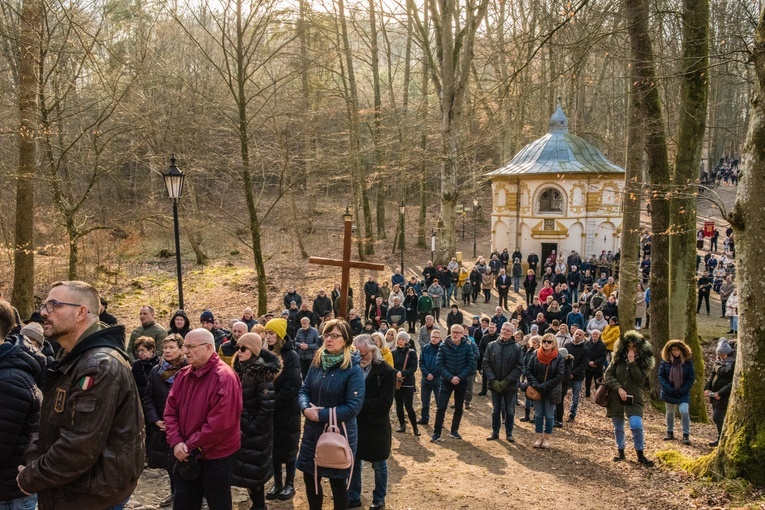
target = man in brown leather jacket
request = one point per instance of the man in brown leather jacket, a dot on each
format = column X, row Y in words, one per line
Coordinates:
column 90, row 449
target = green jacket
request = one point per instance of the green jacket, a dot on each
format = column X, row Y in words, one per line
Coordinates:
column 425, row 304
column 633, row 377
column 155, row 331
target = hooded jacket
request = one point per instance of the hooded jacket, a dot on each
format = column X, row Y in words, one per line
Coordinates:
column 721, row 381
column 254, row 465
column 20, row 367
column 173, row 329
column 90, row 449
column 668, row 392
column 633, row 377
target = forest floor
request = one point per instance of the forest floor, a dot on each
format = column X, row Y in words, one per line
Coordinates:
column 576, row 472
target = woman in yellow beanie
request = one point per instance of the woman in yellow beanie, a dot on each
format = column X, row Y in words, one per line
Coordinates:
column 287, row 415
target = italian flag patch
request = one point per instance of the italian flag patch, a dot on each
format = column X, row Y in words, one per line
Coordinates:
column 85, row 383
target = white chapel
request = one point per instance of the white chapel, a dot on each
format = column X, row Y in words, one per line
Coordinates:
column 558, row 193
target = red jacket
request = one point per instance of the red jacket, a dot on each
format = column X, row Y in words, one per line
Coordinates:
column 203, row 409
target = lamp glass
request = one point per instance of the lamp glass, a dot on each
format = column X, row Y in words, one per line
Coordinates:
column 173, row 180
column 402, row 207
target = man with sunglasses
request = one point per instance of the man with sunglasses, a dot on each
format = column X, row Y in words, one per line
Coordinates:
column 89, row 452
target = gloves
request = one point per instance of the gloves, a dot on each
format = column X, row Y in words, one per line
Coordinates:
column 496, row 386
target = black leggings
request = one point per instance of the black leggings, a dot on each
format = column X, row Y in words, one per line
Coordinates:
column 315, row 500
column 405, row 397
column 290, row 475
column 258, row 496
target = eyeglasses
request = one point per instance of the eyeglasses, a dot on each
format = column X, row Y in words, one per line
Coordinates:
column 547, row 341
column 243, row 349
column 332, row 336
column 52, row 304
column 190, row 346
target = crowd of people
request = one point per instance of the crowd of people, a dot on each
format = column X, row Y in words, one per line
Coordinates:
column 247, row 402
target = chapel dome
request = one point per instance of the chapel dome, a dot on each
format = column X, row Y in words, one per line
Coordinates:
column 558, row 152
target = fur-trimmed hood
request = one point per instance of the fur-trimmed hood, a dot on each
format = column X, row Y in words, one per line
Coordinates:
column 666, row 352
column 644, row 350
column 264, row 368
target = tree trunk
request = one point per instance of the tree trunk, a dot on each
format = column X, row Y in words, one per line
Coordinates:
column 195, row 225
column 423, row 173
column 354, row 134
column 650, row 110
column 741, row 452
column 693, row 112
column 24, row 246
column 629, row 270
column 377, row 127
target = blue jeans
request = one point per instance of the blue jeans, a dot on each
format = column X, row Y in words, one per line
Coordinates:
column 25, row 503
column 574, row 293
column 576, row 390
column 544, row 416
column 685, row 416
column 428, row 388
column 734, row 324
column 449, row 293
column 516, row 283
column 636, row 426
column 503, row 407
column 381, row 481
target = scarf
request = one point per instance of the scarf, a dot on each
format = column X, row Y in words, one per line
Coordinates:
column 546, row 358
column 167, row 370
column 329, row 360
column 676, row 373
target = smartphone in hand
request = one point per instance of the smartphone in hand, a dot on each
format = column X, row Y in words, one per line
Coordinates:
column 630, row 400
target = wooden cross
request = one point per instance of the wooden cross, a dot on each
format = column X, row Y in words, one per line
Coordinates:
column 346, row 263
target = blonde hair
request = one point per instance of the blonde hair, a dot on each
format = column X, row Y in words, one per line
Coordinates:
column 347, row 332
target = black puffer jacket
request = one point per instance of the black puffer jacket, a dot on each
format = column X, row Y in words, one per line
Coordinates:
column 547, row 382
column 254, row 465
column 20, row 367
column 287, row 415
column 373, row 420
column 503, row 361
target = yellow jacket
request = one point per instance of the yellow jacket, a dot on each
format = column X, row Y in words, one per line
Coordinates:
column 610, row 335
column 387, row 355
column 462, row 277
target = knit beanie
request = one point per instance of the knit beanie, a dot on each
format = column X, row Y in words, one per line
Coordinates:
column 34, row 332
column 278, row 326
column 723, row 347
column 207, row 316
column 252, row 341
column 563, row 352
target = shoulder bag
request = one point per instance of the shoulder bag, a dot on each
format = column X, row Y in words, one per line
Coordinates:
column 603, row 393
column 532, row 392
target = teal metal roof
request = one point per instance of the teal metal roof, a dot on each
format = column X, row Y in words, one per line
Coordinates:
column 558, row 152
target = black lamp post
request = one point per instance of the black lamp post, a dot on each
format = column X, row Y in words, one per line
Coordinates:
column 475, row 225
column 174, row 184
column 402, row 210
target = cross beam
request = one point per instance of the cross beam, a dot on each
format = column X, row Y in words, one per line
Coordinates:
column 346, row 264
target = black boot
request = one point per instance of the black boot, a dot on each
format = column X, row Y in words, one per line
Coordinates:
column 619, row 456
column 288, row 492
column 643, row 460
column 670, row 436
column 526, row 416
column 401, row 428
column 686, row 440
column 275, row 490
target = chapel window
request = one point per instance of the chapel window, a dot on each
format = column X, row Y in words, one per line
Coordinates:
column 551, row 200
